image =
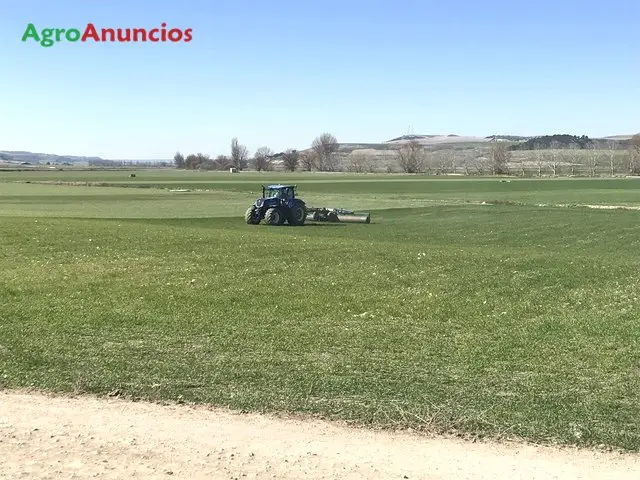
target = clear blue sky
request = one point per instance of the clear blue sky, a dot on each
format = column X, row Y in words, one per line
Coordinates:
column 279, row 73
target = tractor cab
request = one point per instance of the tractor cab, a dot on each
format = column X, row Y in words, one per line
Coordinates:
column 284, row 192
column 274, row 195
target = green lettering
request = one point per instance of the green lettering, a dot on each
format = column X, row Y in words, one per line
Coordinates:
column 47, row 33
column 31, row 32
column 72, row 35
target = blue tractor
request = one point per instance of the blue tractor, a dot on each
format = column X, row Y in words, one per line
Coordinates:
column 277, row 206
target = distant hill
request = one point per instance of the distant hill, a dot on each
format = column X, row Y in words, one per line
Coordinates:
column 621, row 137
column 381, row 150
column 437, row 139
column 38, row 159
column 31, row 158
column 509, row 138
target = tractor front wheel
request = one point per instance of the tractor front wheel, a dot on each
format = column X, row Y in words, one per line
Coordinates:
column 274, row 217
column 250, row 216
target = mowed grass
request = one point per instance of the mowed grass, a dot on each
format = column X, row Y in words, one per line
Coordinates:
column 485, row 320
column 160, row 193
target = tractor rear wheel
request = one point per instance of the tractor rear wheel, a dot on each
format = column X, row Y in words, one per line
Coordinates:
column 274, row 216
column 298, row 214
column 250, row 216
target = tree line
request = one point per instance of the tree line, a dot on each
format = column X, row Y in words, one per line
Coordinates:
column 582, row 142
column 610, row 156
column 548, row 153
column 321, row 156
column 555, row 142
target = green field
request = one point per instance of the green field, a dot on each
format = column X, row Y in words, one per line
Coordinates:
column 510, row 319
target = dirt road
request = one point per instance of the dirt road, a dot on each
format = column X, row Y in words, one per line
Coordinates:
column 52, row 437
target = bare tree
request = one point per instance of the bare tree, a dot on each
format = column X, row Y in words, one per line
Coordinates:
column 389, row 159
column 357, row 163
column 555, row 158
column 204, row 162
column 611, row 155
column 430, row 162
column 222, row 162
column 540, row 163
column 574, row 157
column 191, row 162
column 593, row 159
column 443, row 163
column 290, row 160
column 555, row 162
column 499, row 156
column 446, row 161
column 464, row 163
column 633, row 155
column 540, row 159
column 411, row 157
column 560, row 157
column 307, row 161
column 633, row 161
column 325, row 147
column 480, row 164
column 178, row 160
column 451, row 160
column 521, row 163
column 239, row 155
column 370, row 164
column 262, row 160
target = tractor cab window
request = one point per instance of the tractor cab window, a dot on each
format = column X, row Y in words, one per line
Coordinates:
column 284, row 193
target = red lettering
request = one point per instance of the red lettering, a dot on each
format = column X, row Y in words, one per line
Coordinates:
column 140, row 31
column 122, row 37
column 139, row 34
column 109, row 31
column 172, row 35
column 90, row 32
